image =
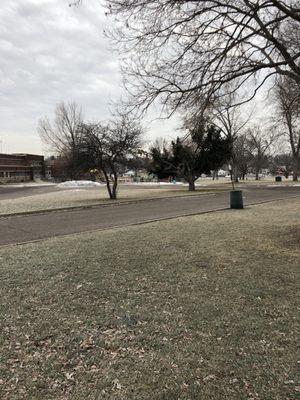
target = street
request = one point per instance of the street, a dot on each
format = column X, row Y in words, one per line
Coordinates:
column 18, row 229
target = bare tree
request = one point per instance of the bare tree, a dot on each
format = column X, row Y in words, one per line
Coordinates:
column 63, row 135
column 109, row 147
column 232, row 123
column 242, row 156
column 184, row 51
column 260, row 146
column 287, row 94
column 229, row 118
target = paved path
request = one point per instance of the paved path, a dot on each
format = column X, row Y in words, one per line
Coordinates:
column 18, row 229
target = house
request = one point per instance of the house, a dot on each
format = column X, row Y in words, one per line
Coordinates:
column 22, row 168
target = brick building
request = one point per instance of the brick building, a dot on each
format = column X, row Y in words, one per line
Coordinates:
column 23, row 168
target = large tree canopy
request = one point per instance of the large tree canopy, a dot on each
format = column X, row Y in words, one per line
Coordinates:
column 185, row 51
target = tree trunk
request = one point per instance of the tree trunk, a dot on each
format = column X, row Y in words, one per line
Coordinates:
column 109, row 190
column 234, row 168
column 296, row 168
column 110, row 193
column 235, row 174
column 192, row 187
column 114, row 188
column 113, row 194
column 256, row 174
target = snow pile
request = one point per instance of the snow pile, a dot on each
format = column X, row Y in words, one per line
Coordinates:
column 78, row 184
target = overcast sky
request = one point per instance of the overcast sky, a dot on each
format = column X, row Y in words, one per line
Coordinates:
column 50, row 52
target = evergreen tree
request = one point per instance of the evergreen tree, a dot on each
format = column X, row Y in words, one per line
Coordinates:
column 204, row 150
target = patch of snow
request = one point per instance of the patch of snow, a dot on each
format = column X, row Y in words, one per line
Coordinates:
column 78, row 184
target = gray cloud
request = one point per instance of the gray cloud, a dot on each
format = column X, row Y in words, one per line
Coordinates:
column 49, row 53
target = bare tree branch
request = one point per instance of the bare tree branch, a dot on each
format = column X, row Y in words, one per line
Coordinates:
column 181, row 51
column 287, row 96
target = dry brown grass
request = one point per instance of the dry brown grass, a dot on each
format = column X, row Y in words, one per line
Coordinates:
column 202, row 307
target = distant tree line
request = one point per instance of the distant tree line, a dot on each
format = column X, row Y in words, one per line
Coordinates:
column 109, row 149
column 105, row 150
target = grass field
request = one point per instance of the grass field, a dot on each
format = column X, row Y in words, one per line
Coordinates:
column 202, row 307
column 89, row 197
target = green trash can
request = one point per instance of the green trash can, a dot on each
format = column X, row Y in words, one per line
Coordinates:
column 278, row 179
column 236, row 199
